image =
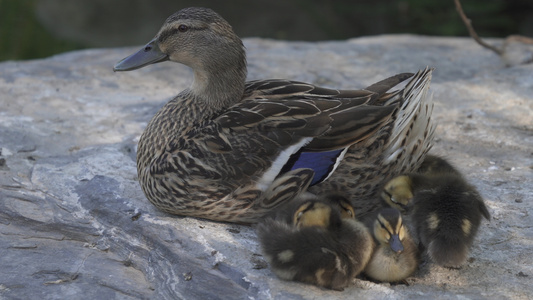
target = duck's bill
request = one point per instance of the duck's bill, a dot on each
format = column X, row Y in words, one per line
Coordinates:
column 149, row 54
column 395, row 243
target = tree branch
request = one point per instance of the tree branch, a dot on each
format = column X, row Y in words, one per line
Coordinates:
column 472, row 32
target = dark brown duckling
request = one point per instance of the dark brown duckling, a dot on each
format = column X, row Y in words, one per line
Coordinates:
column 318, row 246
column 445, row 209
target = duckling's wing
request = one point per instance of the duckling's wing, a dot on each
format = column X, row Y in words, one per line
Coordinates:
column 483, row 208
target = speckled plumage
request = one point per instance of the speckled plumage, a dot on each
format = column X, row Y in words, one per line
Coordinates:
column 399, row 146
column 228, row 150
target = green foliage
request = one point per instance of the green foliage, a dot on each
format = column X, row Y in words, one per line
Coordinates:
column 21, row 35
column 441, row 17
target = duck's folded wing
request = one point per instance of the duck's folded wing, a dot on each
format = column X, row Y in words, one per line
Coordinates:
column 334, row 119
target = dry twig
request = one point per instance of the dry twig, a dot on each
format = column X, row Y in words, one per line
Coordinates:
column 472, row 32
column 503, row 52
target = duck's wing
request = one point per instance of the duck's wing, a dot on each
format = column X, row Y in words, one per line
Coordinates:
column 334, row 119
column 312, row 126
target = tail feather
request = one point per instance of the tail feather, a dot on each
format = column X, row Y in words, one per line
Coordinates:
column 413, row 128
column 386, row 84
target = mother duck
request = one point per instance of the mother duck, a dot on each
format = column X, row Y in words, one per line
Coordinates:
column 229, row 150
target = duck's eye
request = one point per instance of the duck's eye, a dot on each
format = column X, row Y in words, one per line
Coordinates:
column 183, row 28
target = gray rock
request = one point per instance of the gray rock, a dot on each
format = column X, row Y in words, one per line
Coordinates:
column 74, row 221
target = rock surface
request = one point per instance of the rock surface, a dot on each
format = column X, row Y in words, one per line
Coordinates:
column 74, row 221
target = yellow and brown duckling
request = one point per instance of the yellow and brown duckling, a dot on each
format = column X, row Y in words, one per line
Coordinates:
column 285, row 212
column 230, row 150
column 319, row 246
column 342, row 203
column 395, row 256
column 445, row 209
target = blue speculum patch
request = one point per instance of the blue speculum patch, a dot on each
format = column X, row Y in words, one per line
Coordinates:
column 322, row 163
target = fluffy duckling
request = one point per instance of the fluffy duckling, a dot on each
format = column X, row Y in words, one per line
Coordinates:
column 446, row 210
column 286, row 212
column 433, row 164
column 398, row 192
column 344, row 206
column 395, row 256
column 318, row 246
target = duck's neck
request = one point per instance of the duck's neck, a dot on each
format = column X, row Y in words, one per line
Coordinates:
column 219, row 85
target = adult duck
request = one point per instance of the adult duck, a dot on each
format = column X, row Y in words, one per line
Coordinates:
column 229, row 150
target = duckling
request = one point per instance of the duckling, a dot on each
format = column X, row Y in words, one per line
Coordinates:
column 433, row 164
column 229, row 150
column 345, row 207
column 286, row 211
column 396, row 255
column 398, row 192
column 445, row 209
column 318, row 246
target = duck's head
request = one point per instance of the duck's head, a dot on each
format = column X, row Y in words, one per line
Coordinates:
column 398, row 192
column 316, row 214
column 345, row 207
column 389, row 229
column 196, row 37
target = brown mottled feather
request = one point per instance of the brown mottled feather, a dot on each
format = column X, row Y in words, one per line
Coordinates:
column 212, row 151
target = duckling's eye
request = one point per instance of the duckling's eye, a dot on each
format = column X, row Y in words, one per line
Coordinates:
column 349, row 212
column 183, row 28
column 389, row 195
column 382, row 225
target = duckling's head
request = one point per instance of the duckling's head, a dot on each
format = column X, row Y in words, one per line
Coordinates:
column 345, row 207
column 389, row 229
column 199, row 38
column 398, row 192
column 316, row 214
column 434, row 165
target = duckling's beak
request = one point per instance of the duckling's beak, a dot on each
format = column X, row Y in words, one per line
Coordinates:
column 395, row 243
column 148, row 55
